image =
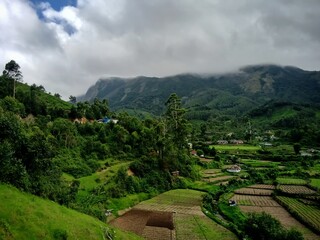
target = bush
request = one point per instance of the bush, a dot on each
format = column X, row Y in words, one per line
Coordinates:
column 59, row 234
column 264, row 226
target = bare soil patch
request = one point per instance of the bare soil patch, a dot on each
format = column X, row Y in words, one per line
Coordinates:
column 158, row 233
column 136, row 220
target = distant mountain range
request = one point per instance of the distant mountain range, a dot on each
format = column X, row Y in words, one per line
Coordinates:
column 208, row 95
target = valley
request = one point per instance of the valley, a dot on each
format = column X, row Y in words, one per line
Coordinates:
column 173, row 166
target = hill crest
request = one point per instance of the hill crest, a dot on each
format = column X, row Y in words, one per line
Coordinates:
column 228, row 93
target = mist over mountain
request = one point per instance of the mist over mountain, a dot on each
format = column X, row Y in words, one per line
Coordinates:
column 205, row 95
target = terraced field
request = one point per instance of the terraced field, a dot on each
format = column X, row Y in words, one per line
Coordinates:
column 254, row 191
column 291, row 181
column 307, row 213
column 250, row 200
column 215, row 176
column 257, row 203
column 189, row 221
column 262, row 186
column 296, row 189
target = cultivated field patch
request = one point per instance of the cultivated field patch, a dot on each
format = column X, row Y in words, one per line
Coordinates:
column 211, row 171
column 251, row 203
column 260, row 163
column 236, row 147
column 254, row 191
column 284, row 217
column 262, row 186
column 250, row 200
column 291, row 181
column 218, row 179
column 152, row 218
column 296, row 189
column 307, row 213
column 199, row 228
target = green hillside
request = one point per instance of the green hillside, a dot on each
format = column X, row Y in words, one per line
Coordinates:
column 25, row 216
column 206, row 96
column 51, row 101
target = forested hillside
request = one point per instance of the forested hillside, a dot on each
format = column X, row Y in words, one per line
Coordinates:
column 48, row 147
column 206, row 96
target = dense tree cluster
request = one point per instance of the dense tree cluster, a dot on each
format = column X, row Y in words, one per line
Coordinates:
column 42, row 137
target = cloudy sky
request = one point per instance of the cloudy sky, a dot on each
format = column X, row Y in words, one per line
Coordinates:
column 66, row 45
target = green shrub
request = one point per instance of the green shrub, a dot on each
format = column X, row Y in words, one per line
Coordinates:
column 59, row 234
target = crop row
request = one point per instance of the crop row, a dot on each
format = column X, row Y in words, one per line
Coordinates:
column 254, row 191
column 305, row 213
column 250, row 200
column 262, row 186
column 293, row 189
column 291, row 181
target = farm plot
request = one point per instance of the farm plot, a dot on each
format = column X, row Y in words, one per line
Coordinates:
column 198, row 228
column 260, row 163
column 250, row 204
column 284, row 217
column 250, row 200
column 211, row 173
column 262, row 186
column 291, row 181
column 144, row 223
column 188, row 220
column 254, row 191
column 307, row 213
column 296, row 189
column 236, row 147
column 218, row 179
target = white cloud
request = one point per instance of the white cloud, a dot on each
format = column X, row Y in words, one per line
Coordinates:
column 67, row 51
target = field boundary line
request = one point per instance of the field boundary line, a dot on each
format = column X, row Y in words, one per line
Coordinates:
column 205, row 237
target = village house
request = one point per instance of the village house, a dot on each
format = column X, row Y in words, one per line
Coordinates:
column 222, row 142
column 234, row 141
column 234, row 169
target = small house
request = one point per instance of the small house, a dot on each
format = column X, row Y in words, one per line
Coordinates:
column 175, row 173
column 222, row 142
column 234, row 169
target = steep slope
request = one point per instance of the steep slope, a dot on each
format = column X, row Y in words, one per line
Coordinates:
column 204, row 96
column 25, row 216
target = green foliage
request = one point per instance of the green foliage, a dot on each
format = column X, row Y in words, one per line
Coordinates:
column 59, row 234
column 233, row 214
column 264, row 226
column 297, row 148
column 13, row 105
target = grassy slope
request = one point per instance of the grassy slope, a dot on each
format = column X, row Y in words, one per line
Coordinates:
column 24, row 216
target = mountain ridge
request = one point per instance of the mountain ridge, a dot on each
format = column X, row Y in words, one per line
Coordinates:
column 228, row 93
